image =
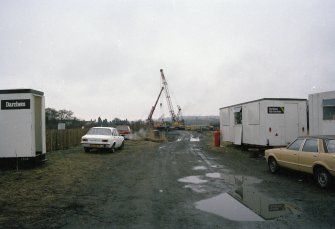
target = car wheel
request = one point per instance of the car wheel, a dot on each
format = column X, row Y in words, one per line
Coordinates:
column 87, row 150
column 113, row 148
column 122, row 145
column 273, row 165
column 322, row 177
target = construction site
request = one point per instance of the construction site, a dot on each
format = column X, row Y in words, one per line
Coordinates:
column 167, row 114
column 167, row 174
column 183, row 181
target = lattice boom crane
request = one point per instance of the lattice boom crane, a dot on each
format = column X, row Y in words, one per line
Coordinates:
column 177, row 120
column 149, row 119
column 168, row 98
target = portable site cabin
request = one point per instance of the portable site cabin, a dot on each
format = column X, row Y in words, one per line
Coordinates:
column 22, row 125
column 322, row 113
column 264, row 122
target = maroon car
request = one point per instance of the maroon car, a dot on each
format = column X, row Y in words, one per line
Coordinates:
column 124, row 131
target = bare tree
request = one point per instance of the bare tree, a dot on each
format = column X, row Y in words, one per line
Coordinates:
column 65, row 114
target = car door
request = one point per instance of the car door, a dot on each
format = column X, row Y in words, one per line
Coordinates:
column 308, row 155
column 289, row 157
column 118, row 140
column 328, row 155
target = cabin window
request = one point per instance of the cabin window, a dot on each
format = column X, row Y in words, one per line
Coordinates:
column 238, row 115
column 328, row 109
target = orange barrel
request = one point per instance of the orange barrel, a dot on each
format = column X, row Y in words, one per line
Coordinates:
column 217, row 138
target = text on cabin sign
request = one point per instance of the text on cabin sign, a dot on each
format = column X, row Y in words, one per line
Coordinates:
column 275, row 110
column 15, row 104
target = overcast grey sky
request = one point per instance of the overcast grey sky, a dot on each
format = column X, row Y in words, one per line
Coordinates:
column 102, row 58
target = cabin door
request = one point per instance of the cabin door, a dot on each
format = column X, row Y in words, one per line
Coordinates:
column 238, row 135
column 291, row 122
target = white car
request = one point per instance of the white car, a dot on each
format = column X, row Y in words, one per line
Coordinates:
column 102, row 138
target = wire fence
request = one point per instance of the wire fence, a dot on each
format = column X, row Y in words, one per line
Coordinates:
column 63, row 139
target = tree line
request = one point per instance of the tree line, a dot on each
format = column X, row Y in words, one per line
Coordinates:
column 53, row 117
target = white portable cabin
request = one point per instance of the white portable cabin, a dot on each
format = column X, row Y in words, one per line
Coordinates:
column 322, row 113
column 22, row 124
column 264, row 122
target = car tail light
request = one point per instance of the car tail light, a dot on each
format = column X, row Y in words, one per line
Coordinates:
column 104, row 140
column 84, row 140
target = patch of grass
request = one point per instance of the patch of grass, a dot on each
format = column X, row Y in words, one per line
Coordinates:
column 30, row 193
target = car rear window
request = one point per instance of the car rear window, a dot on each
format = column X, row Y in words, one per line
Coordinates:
column 296, row 144
column 123, row 128
column 99, row 131
column 311, row 145
column 330, row 145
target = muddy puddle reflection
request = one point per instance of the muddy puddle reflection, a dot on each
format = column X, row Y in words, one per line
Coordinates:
column 244, row 202
column 194, row 139
column 192, row 180
column 228, row 207
column 201, row 167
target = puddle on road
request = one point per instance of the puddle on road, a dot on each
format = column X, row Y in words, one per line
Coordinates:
column 193, row 139
column 244, row 202
column 196, row 188
column 213, row 175
column 192, row 179
column 228, row 207
column 199, row 167
column 239, row 180
column 194, row 183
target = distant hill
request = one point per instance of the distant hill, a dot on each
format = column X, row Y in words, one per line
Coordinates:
column 200, row 120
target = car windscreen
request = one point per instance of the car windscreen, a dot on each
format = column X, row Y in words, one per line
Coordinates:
column 99, row 131
column 330, row 145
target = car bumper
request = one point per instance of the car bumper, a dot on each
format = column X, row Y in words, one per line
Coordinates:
column 96, row 145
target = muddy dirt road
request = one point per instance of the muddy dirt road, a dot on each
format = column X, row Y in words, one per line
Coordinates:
column 183, row 183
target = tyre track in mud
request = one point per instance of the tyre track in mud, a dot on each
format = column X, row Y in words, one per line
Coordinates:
column 140, row 189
